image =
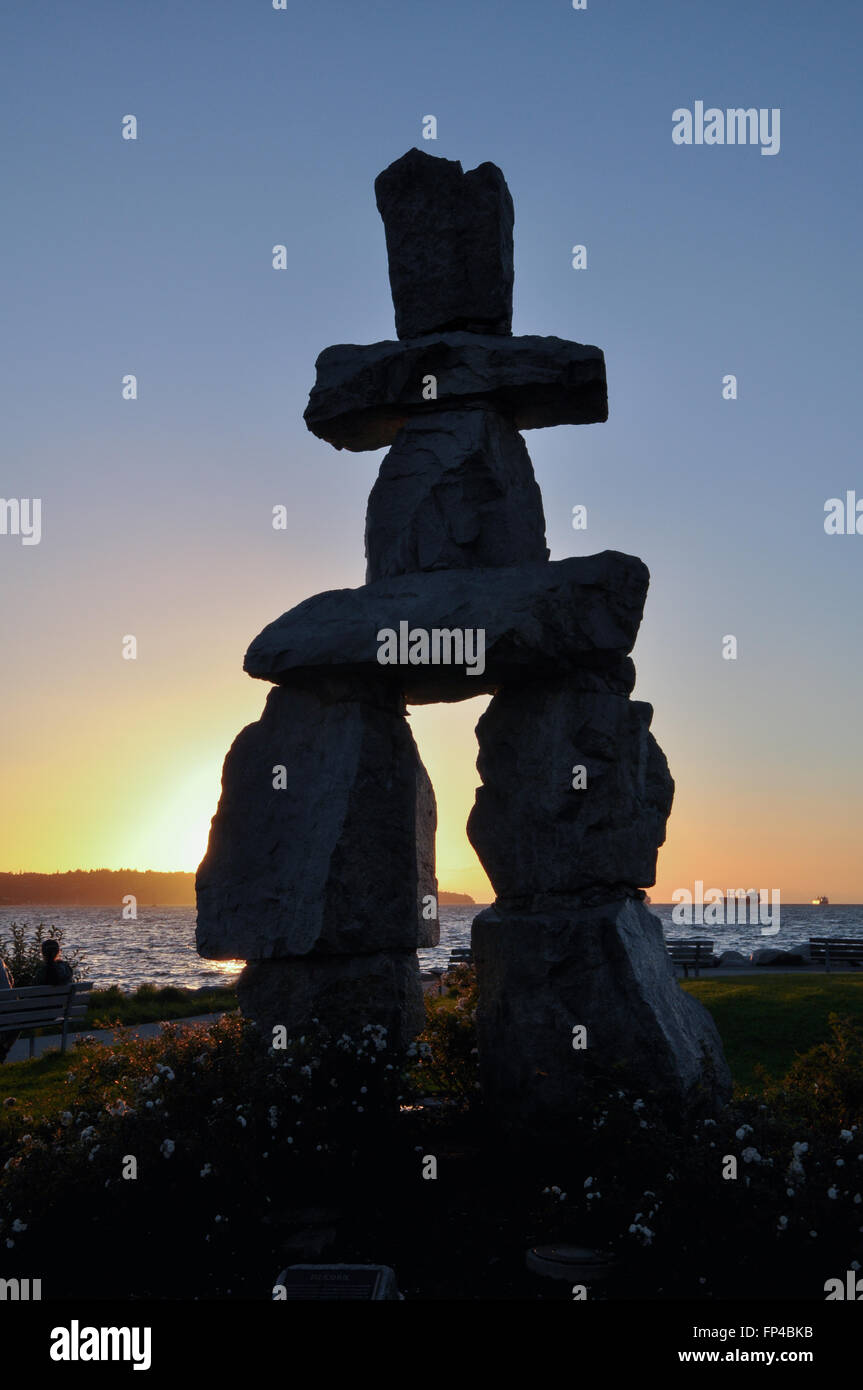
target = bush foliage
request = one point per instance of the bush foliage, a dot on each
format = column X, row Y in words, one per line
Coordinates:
column 209, row 1150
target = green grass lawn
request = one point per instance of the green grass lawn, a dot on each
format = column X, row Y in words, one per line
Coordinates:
column 770, row 1018
column 38, row 1087
column 150, row 1004
column 766, row 1019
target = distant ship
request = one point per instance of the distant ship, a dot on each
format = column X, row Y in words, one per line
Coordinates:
column 821, row 902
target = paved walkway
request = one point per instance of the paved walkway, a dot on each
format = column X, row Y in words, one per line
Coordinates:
column 21, row 1049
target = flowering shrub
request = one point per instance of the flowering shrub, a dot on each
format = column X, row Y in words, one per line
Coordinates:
column 446, row 1054
column 825, row 1085
column 183, row 1166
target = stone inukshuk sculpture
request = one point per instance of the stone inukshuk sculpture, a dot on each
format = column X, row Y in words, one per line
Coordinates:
column 320, row 866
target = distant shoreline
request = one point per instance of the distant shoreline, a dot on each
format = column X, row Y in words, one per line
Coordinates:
column 109, row 888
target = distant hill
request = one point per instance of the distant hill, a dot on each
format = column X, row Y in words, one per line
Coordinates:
column 102, row 887
column 108, row 887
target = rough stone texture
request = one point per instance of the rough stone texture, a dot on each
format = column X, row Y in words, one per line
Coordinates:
column 732, row 959
column 457, row 490
column 449, row 244
column 338, row 861
column 343, row 992
column 363, row 395
column 534, row 833
column 607, row 969
column 767, row 955
column 540, row 620
column 426, row 825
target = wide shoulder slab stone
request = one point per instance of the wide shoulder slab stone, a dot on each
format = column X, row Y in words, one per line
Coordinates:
column 456, row 491
column 453, row 634
column 363, row 395
column 449, row 244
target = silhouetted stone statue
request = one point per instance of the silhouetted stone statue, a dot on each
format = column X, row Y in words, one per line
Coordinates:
column 320, row 866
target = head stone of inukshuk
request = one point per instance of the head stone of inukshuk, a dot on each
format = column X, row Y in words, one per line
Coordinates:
column 320, row 868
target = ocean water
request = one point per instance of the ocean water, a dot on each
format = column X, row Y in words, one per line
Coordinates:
column 160, row 946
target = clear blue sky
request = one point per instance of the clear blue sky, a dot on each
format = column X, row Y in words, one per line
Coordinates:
column 259, row 127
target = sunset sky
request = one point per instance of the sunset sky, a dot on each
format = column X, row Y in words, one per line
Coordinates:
column 153, row 257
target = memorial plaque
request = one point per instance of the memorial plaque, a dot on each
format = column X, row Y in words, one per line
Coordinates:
column 337, row 1282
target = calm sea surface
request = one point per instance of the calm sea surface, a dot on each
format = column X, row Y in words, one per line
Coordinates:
column 160, row 946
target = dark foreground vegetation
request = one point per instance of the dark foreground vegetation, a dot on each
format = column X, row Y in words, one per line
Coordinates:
column 198, row 1164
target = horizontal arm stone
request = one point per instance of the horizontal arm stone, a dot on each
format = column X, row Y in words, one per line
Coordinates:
column 364, row 394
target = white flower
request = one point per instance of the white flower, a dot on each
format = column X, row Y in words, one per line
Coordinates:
column 797, row 1149
column 833, row 1193
column 638, row 1105
column 847, row 1135
column 783, row 1222
column 588, row 1182
column 743, row 1131
column 206, row 1170
column 66, row 1117
column 858, row 1199
column 751, row 1155
column 166, row 1148
column 19, row 1226
column 88, row 1134
column 644, row 1233
column 93, row 1152
column 840, row 1163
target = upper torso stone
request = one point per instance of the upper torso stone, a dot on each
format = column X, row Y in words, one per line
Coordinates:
column 449, row 244
column 456, row 491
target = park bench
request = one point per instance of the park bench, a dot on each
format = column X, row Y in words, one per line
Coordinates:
column 43, row 1006
column 691, row 954
column 835, row 950
column 460, row 955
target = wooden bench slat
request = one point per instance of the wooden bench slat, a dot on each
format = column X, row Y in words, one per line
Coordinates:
column 34, row 991
column 25, row 1008
column 835, row 950
column 8, row 1022
column 690, row 952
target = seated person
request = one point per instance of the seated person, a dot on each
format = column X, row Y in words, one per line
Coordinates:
column 54, row 970
column 6, row 982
